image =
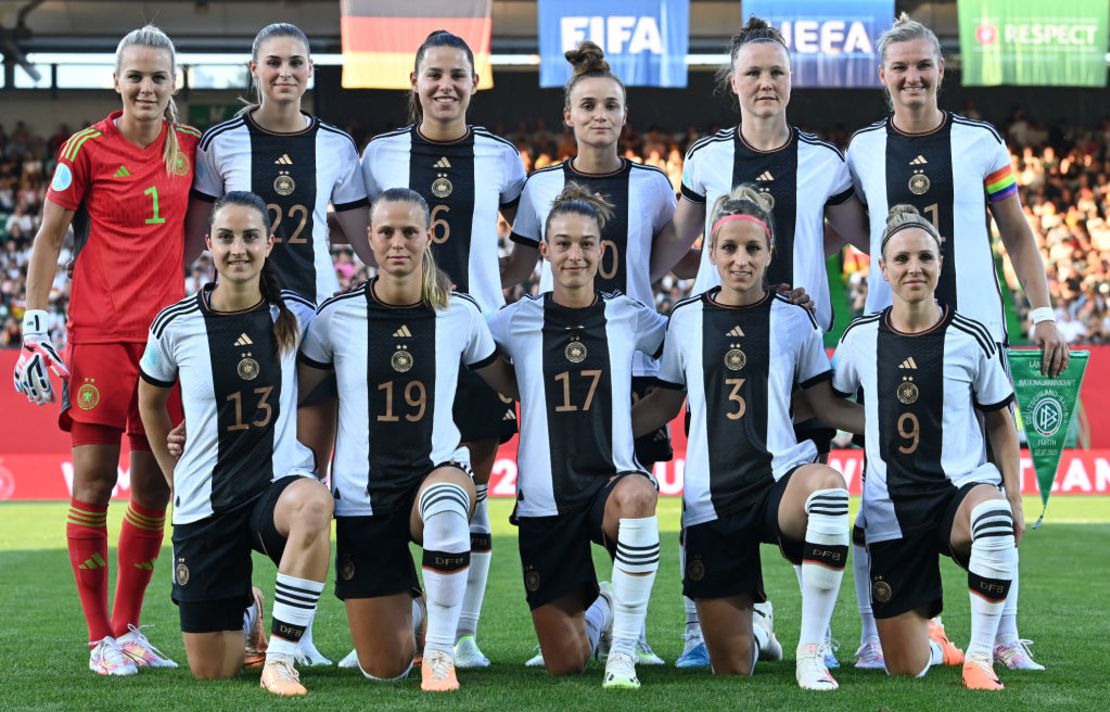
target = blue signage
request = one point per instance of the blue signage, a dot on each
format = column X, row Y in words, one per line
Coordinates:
column 645, row 41
column 832, row 44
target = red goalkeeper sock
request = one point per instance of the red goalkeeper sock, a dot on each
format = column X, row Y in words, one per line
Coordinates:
column 140, row 541
column 87, row 539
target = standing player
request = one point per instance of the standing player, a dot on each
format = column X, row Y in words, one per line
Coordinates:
column 802, row 179
column 123, row 184
column 297, row 164
column 749, row 480
column 401, row 473
column 927, row 370
column 243, row 481
column 644, row 202
column 466, row 174
column 579, row 480
column 953, row 170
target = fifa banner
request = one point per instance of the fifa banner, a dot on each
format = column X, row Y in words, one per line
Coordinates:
column 832, row 44
column 1047, row 405
column 1034, row 42
column 645, row 41
column 380, row 38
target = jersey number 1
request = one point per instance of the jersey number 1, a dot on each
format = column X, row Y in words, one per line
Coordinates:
column 154, row 219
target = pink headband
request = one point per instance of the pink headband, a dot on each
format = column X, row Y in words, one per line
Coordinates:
column 749, row 218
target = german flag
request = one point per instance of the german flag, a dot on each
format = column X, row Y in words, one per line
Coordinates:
column 380, row 38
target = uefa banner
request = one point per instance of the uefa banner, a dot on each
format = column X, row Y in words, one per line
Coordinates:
column 1034, row 43
column 380, row 38
column 832, row 44
column 645, row 41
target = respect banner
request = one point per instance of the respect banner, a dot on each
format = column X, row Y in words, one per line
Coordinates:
column 645, row 41
column 832, row 44
column 1046, row 407
column 1033, row 42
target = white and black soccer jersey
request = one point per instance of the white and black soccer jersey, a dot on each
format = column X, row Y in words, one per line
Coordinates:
column 739, row 366
column 240, row 401
column 574, row 372
column 466, row 183
column 922, row 391
column 949, row 175
column 644, row 202
column 396, row 368
column 296, row 174
column 799, row 180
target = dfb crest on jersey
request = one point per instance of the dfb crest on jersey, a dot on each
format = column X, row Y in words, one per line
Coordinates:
column 441, row 186
column 88, row 395
column 401, row 360
column 735, row 358
column 284, row 184
column 919, row 183
column 576, row 351
column 881, row 591
column 181, row 573
column 248, row 368
column 907, row 391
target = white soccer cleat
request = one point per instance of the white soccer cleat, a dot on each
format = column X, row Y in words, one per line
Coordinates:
column 620, row 673
column 468, row 656
column 1015, row 655
column 350, row 661
column 106, row 658
column 810, row 669
column 763, row 616
column 134, row 644
column 644, row 654
column 870, row 656
column 536, row 660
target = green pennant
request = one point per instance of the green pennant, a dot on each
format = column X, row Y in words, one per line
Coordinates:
column 1047, row 405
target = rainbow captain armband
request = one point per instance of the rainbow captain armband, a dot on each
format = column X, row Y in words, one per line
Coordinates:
column 1001, row 184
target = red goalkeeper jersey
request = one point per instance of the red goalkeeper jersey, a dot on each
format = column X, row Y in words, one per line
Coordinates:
column 129, row 228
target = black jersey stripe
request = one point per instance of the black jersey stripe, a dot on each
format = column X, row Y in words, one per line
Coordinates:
column 977, row 336
column 154, row 381
column 859, row 321
column 160, row 326
column 320, row 365
column 483, row 362
column 723, row 135
column 547, row 169
column 346, row 295
column 360, row 203
column 336, row 130
column 388, row 134
column 1005, row 402
column 483, row 131
column 842, row 197
column 467, row 297
column 291, row 296
column 814, row 141
column 810, row 382
column 190, row 300
column 690, row 195
column 786, row 300
column 212, row 133
column 976, row 324
column 646, row 167
column 522, row 240
column 870, row 127
column 979, row 124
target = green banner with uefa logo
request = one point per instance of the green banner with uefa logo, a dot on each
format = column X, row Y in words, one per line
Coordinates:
column 1047, row 405
column 1033, row 42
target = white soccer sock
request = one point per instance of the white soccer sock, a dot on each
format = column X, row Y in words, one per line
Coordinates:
column 444, row 508
column 693, row 624
column 633, row 575
column 1007, row 624
column 861, row 568
column 294, row 608
column 480, row 554
column 989, row 572
column 599, row 616
column 824, row 555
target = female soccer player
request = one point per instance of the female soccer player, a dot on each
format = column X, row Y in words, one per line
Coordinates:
column 953, row 170
column 802, row 179
column 466, row 174
column 128, row 177
column 297, row 164
column 243, row 481
column 930, row 490
column 401, row 473
column 579, row 481
column 748, row 479
column 644, row 202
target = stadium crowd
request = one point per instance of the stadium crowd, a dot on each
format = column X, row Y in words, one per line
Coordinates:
column 1063, row 173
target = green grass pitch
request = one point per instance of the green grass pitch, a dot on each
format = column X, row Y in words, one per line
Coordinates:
column 1065, row 607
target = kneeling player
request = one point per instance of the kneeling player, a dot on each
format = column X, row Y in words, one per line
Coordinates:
column 243, row 481
column 400, row 473
column 738, row 351
column 573, row 350
column 929, row 488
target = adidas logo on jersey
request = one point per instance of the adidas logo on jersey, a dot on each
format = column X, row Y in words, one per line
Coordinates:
column 908, row 363
column 402, row 333
column 285, row 160
column 122, row 172
column 735, row 331
column 243, row 340
column 442, row 163
column 765, row 176
column 919, row 161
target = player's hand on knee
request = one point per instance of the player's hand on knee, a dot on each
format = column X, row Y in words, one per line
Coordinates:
column 37, row 360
